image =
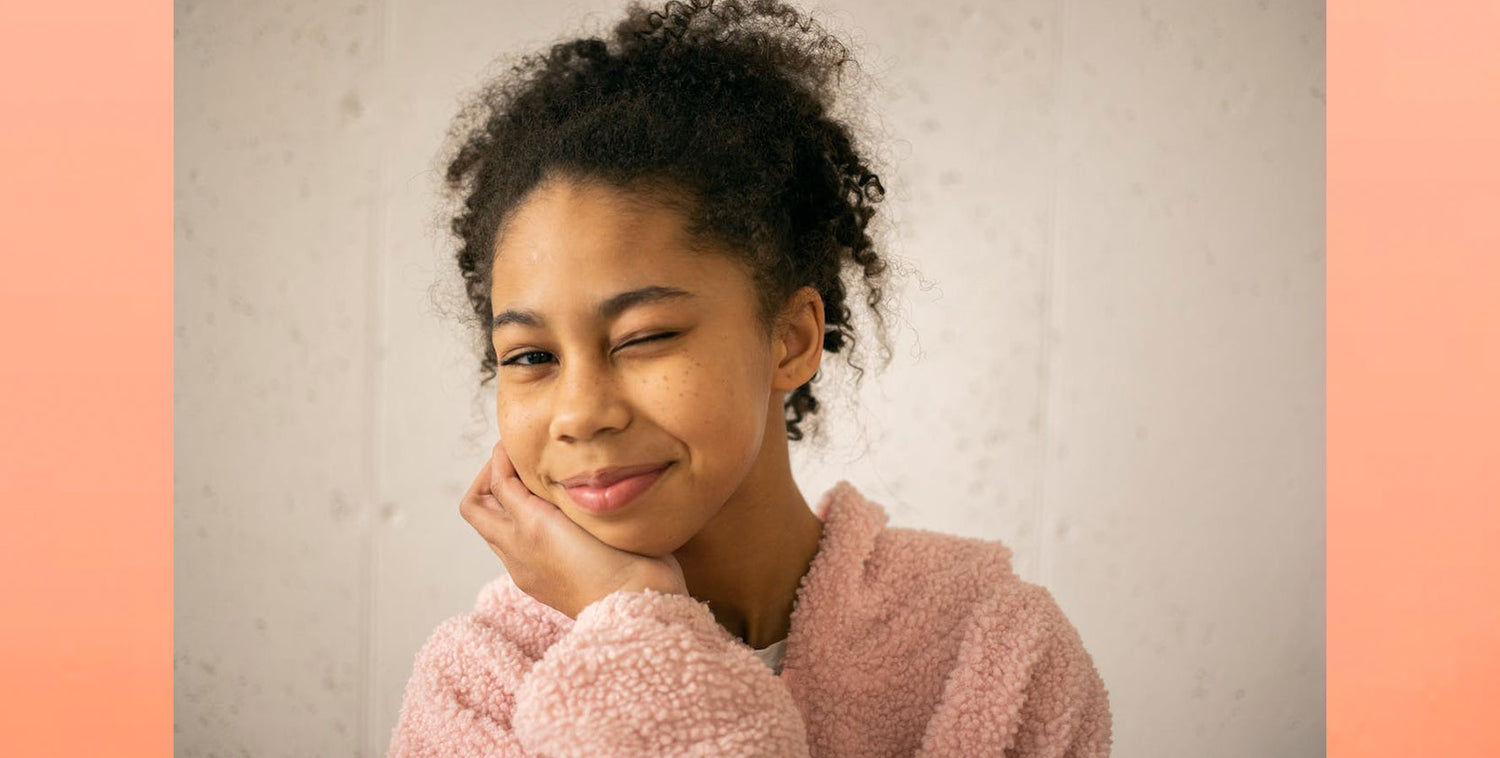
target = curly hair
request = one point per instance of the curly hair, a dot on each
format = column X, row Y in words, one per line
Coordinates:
column 725, row 104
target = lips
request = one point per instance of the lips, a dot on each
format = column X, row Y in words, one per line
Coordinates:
column 609, row 490
column 607, row 476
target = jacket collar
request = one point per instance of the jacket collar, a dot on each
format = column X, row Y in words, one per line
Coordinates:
column 831, row 591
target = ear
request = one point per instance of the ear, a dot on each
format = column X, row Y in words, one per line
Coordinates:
column 797, row 345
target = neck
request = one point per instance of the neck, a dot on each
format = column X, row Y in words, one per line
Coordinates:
column 747, row 562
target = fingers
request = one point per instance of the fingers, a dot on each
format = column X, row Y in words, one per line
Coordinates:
column 507, row 486
column 498, row 503
column 481, row 508
column 501, row 469
column 504, row 511
column 489, row 517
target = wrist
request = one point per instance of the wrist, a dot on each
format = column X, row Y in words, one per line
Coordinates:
column 663, row 585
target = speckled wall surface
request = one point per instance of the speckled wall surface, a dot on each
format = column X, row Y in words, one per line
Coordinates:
column 1109, row 356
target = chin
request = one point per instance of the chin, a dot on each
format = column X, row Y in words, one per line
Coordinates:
column 640, row 544
column 641, row 539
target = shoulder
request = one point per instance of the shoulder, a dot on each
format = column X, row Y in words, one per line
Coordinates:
column 968, row 566
column 976, row 578
column 1006, row 655
column 901, row 556
column 968, row 581
column 1015, row 662
column 946, row 585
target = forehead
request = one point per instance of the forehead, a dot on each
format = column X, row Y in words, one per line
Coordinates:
column 569, row 239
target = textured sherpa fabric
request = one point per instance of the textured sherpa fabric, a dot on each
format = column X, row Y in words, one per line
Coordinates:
column 903, row 642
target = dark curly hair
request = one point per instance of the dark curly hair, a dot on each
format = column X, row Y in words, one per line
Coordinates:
column 723, row 106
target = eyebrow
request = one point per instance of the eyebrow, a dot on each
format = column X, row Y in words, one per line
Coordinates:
column 607, row 310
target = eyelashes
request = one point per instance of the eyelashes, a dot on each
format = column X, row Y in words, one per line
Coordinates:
column 516, row 360
column 650, row 338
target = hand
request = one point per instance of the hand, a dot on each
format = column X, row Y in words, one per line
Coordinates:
column 550, row 557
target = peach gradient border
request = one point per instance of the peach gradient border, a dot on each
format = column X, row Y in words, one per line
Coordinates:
column 86, row 373
column 1413, row 379
column 85, row 378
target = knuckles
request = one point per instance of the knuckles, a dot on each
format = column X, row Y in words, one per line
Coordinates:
column 469, row 504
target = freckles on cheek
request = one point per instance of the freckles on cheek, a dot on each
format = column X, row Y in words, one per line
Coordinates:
column 517, row 427
column 714, row 399
column 515, row 414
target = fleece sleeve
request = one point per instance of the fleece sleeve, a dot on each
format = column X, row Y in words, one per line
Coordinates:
column 461, row 693
column 1023, row 687
column 653, row 674
column 638, row 674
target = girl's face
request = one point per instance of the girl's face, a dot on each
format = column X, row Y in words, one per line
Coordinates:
column 618, row 346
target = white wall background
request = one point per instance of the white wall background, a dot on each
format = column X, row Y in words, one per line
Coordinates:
column 1111, row 359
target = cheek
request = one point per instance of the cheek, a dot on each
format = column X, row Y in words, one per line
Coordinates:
column 717, row 407
column 522, row 432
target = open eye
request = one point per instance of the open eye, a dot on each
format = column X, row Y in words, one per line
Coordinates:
column 516, row 360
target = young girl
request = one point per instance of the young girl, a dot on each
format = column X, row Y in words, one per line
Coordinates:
column 653, row 232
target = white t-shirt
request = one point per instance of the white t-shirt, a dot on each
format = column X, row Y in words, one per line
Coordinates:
column 772, row 655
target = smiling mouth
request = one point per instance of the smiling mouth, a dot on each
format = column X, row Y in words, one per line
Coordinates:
column 611, row 492
column 607, row 476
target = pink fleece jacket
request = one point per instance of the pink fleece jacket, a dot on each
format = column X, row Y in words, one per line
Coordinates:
column 903, row 642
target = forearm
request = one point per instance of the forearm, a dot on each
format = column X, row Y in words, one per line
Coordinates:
column 646, row 673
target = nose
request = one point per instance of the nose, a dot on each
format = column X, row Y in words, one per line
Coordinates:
column 587, row 402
